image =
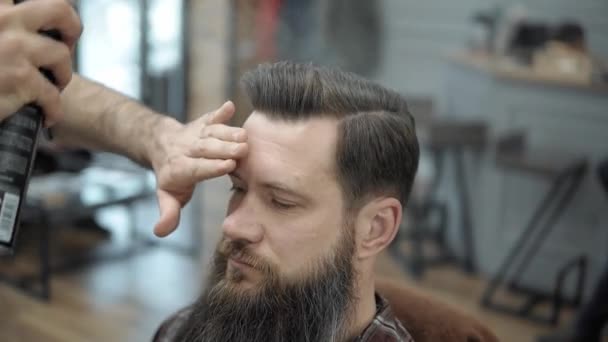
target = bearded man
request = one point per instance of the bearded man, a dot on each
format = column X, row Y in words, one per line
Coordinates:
column 319, row 195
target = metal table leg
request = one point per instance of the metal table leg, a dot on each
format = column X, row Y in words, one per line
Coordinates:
column 466, row 224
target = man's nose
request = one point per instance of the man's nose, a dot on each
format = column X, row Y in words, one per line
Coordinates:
column 241, row 224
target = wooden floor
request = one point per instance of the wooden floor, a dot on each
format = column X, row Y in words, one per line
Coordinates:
column 126, row 300
column 117, row 301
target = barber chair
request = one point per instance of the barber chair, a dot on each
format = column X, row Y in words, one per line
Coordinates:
column 429, row 320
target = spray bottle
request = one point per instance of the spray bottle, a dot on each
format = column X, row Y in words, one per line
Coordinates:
column 18, row 141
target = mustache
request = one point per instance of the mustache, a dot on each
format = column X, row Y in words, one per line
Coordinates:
column 241, row 252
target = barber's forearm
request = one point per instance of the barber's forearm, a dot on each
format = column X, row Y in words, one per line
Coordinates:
column 99, row 118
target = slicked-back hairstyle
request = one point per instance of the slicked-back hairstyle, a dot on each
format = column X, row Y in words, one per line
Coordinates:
column 377, row 150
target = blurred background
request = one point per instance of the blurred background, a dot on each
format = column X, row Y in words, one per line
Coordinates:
column 509, row 217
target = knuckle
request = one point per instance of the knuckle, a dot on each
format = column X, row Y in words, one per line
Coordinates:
column 53, row 7
column 12, row 41
column 61, row 9
column 64, row 54
column 206, row 131
column 208, row 117
column 21, row 74
column 222, row 130
column 60, row 6
column 232, row 148
column 65, row 80
column 203, row 147
column 5, row 16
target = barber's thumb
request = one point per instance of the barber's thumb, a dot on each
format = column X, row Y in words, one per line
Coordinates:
column 222, row 114
column 169, row 208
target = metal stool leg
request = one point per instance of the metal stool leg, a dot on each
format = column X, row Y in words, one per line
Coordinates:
column 519, row 244
column 532, row 242
column 566, row 198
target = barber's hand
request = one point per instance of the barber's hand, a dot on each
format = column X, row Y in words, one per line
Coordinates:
column 188, row 154
column 23, row 50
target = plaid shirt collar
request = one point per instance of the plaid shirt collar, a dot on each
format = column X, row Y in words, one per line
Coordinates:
column 385, row 327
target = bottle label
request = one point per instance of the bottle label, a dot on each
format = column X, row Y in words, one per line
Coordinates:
column 18, row 137
column 8, row 214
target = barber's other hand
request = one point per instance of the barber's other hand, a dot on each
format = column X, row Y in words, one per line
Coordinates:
column 184, row 155
column 23, row 50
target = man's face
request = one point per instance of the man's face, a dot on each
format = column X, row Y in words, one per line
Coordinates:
column 286, row 212
column 283, row 270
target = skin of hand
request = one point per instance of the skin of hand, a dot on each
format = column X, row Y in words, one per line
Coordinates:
column 180, row 155
column 99, row 118
column 183, row 155
column 23, row 50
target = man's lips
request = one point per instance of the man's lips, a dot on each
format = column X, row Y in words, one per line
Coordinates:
column 236, row 261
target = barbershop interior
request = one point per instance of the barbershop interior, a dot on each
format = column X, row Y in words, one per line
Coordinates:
column 504, row 236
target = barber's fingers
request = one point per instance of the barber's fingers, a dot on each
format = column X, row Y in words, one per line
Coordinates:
column 224, row 132
column 203, row 169
column 32, row 87
column 212, row 148
column 221, row 115
column 169, row 207
column 198, row 170
column 41, row 15
column 49, row 54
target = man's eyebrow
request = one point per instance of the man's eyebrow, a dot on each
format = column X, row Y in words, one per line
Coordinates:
column 274, row 185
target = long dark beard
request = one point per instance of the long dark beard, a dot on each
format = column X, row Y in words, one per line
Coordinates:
column 315, row 309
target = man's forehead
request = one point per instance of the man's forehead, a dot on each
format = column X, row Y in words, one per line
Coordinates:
column 298, row 149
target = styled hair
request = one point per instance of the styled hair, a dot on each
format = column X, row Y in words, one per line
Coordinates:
column 377, row 151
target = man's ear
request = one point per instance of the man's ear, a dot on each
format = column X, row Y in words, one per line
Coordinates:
column 377, row 226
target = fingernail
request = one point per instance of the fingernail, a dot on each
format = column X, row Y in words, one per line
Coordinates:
column 236, row 148
column 236, row 136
